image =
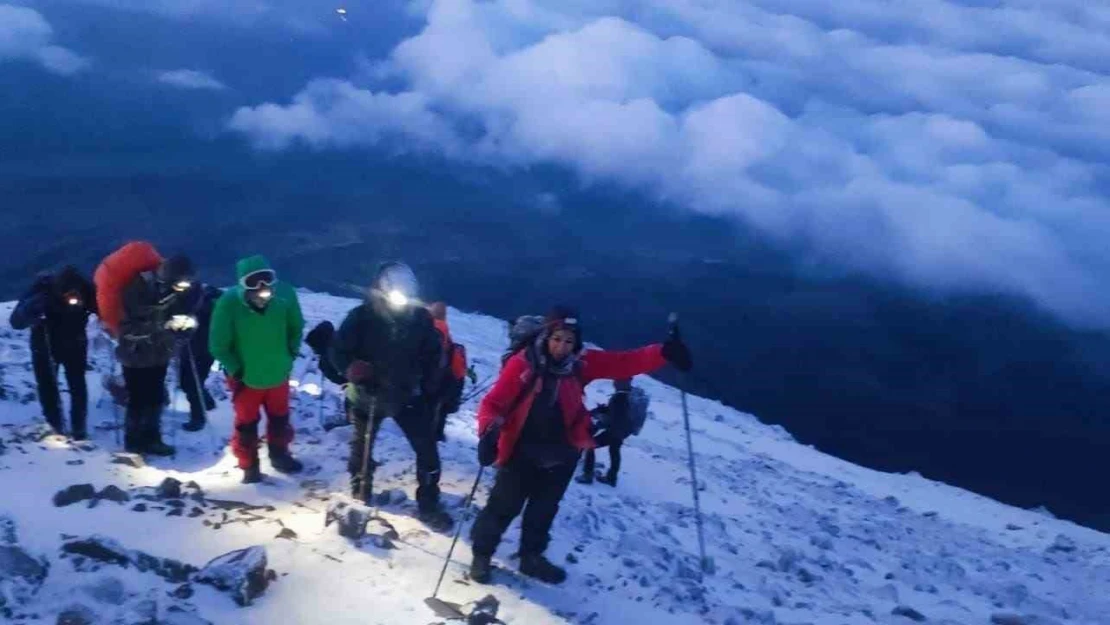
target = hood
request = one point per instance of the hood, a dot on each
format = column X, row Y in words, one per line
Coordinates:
column 251, row 264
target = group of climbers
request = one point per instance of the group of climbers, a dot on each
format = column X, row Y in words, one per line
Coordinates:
column 394, row 357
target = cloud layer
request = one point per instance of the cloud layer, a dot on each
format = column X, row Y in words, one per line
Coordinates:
column 951, row 146
column 190, row 79
column 25, row 34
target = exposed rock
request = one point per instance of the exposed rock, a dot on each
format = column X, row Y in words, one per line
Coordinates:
column 103, row 549
column 176, row 615
column 73, row 494
column 351, row 519
column 1007, row 618
column 21, row 577
column 484, row 611
column 183, row 591
column 287, row 534
column 1062, row 544
column 170, row 488
column 128, row 459
column 393, row 496
column 8, row 534
column 139, row 507
column 109, row 590
column 241, row 573
column 113, row 493
column 76, row 614
column 909, row 613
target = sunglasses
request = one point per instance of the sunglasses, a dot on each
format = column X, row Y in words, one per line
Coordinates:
column 258, row 279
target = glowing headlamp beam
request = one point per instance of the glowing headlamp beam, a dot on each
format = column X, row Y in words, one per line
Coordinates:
column 397, row 299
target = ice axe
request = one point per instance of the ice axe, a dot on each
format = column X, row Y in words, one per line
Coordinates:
column 446, row 609
column 707, row 565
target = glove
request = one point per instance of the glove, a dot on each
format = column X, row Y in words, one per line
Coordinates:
column 235, row 383
column 676, row 353
column 487, row 445
column 359, row 371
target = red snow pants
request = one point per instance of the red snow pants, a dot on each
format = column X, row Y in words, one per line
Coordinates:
column 248, row 402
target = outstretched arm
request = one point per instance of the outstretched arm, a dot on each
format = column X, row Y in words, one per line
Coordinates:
column 604, row 365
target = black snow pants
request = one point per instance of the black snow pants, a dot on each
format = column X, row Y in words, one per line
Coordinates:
column 521, row 485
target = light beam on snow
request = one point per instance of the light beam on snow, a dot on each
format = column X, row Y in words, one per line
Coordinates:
column 310, row 389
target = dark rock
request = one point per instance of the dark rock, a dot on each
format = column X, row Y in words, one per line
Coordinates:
column 75, row 463
column 21, row 577
column 175, row 512
column 175, row 503
column 8, row 534
column 139, row 507
column 131, row 460
column 1006, row 618
column 170, row 488
column 76, row 614
column 393, row 496
column 107, row 550
column 350, row 519
column 183, row 591
column 573, row 559
column 109, row 590
column 484, row 612
column 144, row 612
column 1013, row 527
column 195, row 512
column 176, row 615
column 909, row 613
column 113, row 493
column 73, row 494
column 1062, row 544
column 241, row 573
column 287, row 534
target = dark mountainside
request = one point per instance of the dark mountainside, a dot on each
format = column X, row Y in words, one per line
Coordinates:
column 979, row 392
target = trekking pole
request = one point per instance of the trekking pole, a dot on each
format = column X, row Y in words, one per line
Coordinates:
column 196, row 381
column 434, row 602
column 320, row 401
column 706, row 562
column 367, row 446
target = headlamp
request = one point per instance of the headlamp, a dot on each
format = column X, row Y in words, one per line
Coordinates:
column 397, row 299
column 182, row 285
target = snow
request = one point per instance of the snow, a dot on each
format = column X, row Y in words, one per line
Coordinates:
column 797, row 536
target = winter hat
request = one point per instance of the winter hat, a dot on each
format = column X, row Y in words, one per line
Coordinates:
column 395, row 275
column 69, row 279
column 319, row 338
column 564, row 318
column 176, row 268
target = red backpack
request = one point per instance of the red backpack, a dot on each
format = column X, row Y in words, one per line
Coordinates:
column 114, row 273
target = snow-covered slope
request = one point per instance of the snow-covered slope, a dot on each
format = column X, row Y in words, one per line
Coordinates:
column 797, row 536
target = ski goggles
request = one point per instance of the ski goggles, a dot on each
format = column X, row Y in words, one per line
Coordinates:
column 258, row 279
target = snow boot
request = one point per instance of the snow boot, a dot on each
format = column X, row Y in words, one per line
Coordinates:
column 608, row 478
column 209, row 401
column 78, row 421
column 284, row 462
column 152, row 433
column 435, row 518
column 539, row 567
column 481, row 569
column 585, row 478
column 194, row 424
column 252, row 474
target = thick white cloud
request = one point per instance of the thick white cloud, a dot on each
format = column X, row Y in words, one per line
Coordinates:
column 25, row 34
column 190, row 79
column 957, row 147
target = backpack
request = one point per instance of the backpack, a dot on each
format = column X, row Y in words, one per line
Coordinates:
column 522, row 333
column 114, row 273
column 623, row 416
